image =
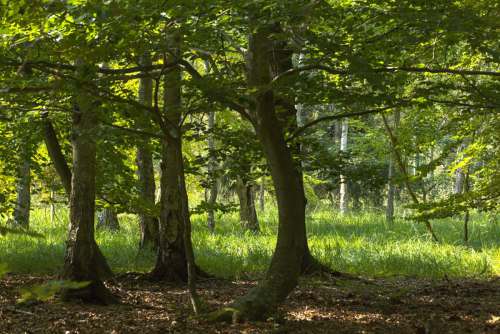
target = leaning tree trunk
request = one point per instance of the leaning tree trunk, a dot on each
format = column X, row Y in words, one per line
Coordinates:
column 389, row 211
column 248, row 214
column 148, row 223
column 107, row 219
column 23, row 200
column 83, row 259
column 285, row 268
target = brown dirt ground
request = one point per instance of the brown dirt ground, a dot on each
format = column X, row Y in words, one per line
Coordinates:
column 318, row 305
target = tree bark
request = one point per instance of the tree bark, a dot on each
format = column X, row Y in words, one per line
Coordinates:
column 212, row 165
column 171, row 262
column 107, row 219
column 83, row 259
column 56, row 155
column 148, row 224
column 389, row 212
column 285, row 268
column 23, row 199
column 248, row 214
column 343, row 179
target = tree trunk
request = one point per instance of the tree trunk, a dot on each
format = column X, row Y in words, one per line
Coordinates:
column 83, row 259
column 262, row 195
column 343, row 180
column 56, row 155
column 23, row 200
column 171, row 262
column 248, row 214
column 389, row 212
column 212, row 165
column 107, row 219
column 285, row 267
column 148, row 223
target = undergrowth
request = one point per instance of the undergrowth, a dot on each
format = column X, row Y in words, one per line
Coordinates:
column 361, row 244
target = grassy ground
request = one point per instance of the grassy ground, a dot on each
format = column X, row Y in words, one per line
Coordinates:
column 361, row 244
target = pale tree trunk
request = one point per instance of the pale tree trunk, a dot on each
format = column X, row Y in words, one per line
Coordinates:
column 262, row 195
column 83, row 259
column 343, row 179
column 391, row 191
column 144, row 159
column 23, row 199
column 212, row 166
column 248, row 214
column 107, row 219
column 459, row 175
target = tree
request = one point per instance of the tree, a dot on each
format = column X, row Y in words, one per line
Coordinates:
column 84, row 261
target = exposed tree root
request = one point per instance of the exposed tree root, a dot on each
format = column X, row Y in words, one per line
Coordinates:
column 94, row 293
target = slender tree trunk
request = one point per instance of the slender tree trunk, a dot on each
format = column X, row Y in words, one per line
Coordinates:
column 148, row 223
column 262, row 195
column 248, row 214
column 23, row 200
column 389, row 212
column 107, row 219
column 83, row 259
column 343, row 179
column 56, row 155
column 212, row 166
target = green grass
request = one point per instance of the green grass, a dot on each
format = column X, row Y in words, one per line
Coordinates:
column 361, row 244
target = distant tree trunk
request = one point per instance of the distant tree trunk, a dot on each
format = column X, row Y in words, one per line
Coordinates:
column 343, row 179
column 23, row 200
column 262, row 196
column 83, row 259
column 286, row 263
column 248, row 214
column 107, row 219
column 389, row 212
column 212, row 165
column 148, row 223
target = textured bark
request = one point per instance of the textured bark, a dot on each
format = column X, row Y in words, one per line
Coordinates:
column 145, row 171
column 83, row 259
column 56, row 155
column 389, row 212
column 212, row 166
column 248, row 214
column 343, row 179
column 171, row 262
column 107, row 219
column 23, row 199
column 262, row 196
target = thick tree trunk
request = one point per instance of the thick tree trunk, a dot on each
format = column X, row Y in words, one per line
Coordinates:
column 389, row 212
column 145, row 171
column 171, row 262
column 343, row 179
column 248, row 214
column 285, row 267
column 212, row 166
column 83, row 259
column 23, row 199
column 107, row 219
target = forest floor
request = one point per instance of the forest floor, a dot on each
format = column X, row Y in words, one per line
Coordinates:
column 318, row 305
